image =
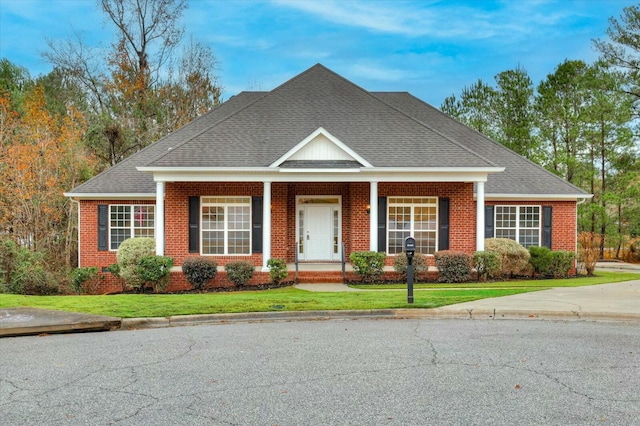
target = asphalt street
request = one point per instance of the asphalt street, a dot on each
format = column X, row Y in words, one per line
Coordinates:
column 340, row 372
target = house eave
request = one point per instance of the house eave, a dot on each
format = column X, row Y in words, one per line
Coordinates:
column 521, row 197
column 363, row 174
column 110, row 196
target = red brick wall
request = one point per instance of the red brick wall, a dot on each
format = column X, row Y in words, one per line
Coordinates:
column 563, row 230
column 355, row 219
column 177, row 215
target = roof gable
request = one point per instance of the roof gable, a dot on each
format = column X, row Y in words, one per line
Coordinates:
column 322, row 147
column 263, row 132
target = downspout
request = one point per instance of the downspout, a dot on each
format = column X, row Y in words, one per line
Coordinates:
column 577, row 204
column 78, row 204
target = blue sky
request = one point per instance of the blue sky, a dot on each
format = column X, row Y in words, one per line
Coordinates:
column 430, row 48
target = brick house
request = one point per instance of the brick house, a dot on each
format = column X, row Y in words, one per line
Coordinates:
column 315, row 165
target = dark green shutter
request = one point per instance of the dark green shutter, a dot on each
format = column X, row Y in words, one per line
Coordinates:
column 382, row 224
column 256, row 224
column 103, row 227
column 443, row 224
column 194, row 224
column 488, row 222
column 547, row 218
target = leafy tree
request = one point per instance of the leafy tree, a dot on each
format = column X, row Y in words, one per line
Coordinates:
column 142, row 89
column 560, row 104
column 474, row 107
column 513, row 109
column 623, row 48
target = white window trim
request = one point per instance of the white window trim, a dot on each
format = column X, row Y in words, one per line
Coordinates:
column 131, row 226
column 518, row 206
column 225, row 230
column 412, row 231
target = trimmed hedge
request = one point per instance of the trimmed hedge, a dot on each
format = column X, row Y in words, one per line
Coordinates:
column 540, row 260
column 199, row 271
column 277, row 270
column 420, row 264
column 488, row 264
column 129, row 253
column 560, row 263
column 453, row 266
column 369, row 265
column 515, row 258
column 154, row 270
column 240, row 272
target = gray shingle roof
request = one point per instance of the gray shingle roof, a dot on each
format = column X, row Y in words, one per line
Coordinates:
column 520, row 176
column 254, row 129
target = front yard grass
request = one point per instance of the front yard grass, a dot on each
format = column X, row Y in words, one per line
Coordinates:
column 288, row 299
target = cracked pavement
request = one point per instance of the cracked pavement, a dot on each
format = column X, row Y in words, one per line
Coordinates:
column 364, row 371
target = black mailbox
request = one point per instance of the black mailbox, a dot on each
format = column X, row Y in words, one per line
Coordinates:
column 410, row 250
column 410, row 246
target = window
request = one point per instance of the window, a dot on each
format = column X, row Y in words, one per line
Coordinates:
column 416, row 217
column 127, row 221
column 520, row 223
column 226, row 225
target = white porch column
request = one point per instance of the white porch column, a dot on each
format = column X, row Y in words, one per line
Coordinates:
column 480, row 216
column 266, row 226
column 373, row 216
column 159, row 216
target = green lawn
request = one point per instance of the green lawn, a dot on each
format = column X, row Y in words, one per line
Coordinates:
column 286, row 299
column 600, row 278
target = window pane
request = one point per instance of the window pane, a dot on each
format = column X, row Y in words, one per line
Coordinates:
column 213, row 242
column 118, row 236
column 425, row 242
column 529, row 237
column 396, row 241
column 239, row 242
column 212, row 218
column 529, row 217
column 120, row 216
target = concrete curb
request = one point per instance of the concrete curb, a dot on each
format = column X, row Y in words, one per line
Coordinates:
column 438, row 313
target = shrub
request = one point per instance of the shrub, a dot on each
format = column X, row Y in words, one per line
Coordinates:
column 487, row 264
column 420, row 264
column 453, row 266
column 28, row 273
column 9, row 250
column 589, row 251
column 560, row 262
column 514, row 257
column 540, row 260
column 277, row 270
column 240, row 271
column 154, row 270
column 129, row 253
column 114, row 269
column 369, row 265
column 199, row 271
column 80, row 276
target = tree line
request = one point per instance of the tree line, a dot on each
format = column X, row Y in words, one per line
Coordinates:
column 95, row 108
column 580, row 122
column 101, row 104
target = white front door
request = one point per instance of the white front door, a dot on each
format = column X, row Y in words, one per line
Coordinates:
column 318, row 233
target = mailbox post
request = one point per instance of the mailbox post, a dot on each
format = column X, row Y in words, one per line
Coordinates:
column 410, row 250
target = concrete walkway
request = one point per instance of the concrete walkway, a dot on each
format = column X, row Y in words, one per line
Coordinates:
column 612, row 302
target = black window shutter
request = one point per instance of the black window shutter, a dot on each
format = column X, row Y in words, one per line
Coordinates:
column 443, row 224
column 103, row 227
column 194, row 224
column 488, row 222
column 547, row 218
column 256, row 224
column 382, row 224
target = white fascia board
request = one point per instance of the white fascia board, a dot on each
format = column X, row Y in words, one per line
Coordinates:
column 110, row 196
column 320, row 175
column 312, row 136
column 521, row 197
column 422, row 170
